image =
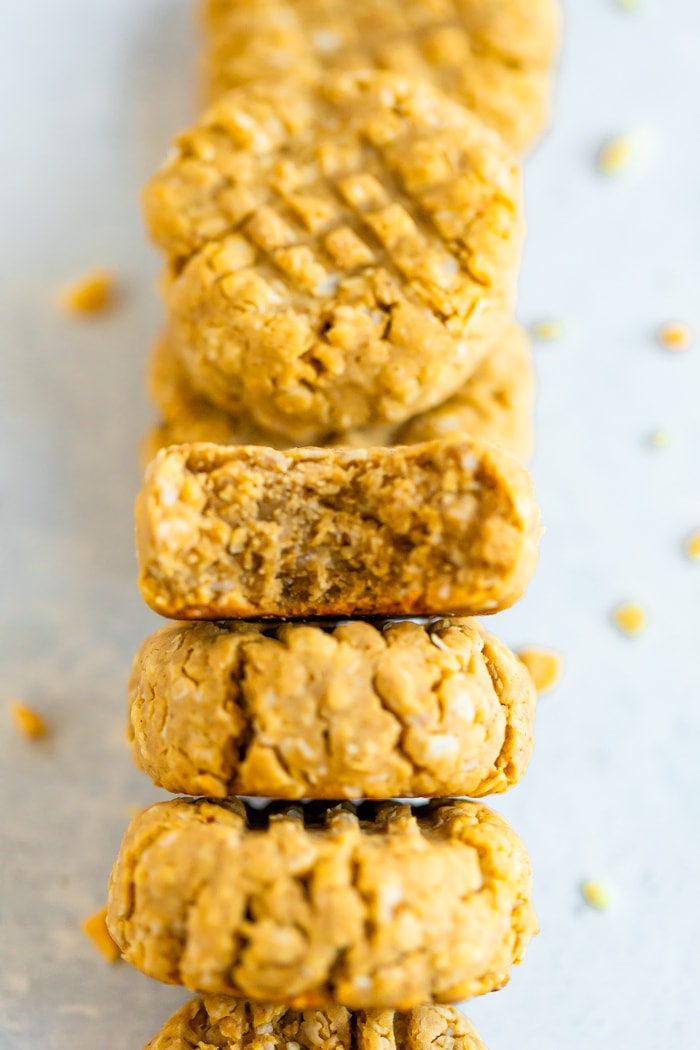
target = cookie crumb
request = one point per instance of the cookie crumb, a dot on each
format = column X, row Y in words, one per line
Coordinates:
column 91, row 294
column 596, row 894
column 692, row 546
column 675, row 336
column 629, row 5
column 630, row 618
column 659, row 439
column 616, row 155
column 544, row 665
column 95, row 927
column 28, row 721
column 548, row 330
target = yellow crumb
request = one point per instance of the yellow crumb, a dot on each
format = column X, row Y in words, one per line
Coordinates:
column 28, row 721
column 629, row 5
column 659, row 439
column 595, row 894
column 91, row 294
column 548, row 329
column 675, row 336
column 615, row 155
column 692, row 546
column 95, row 927
column 544, row 666
column 630, row 617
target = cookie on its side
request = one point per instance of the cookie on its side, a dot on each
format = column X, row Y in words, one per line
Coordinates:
column 386, row 908
column 342, row 253
column 495, row 405
column 237, row 1024
column 494, row 56
column 350, row 711
column 449, row 527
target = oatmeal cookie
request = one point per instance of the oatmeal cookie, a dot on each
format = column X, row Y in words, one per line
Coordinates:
column 218, row 1021
column 446, row 527
column 347, row 711
column 383, row 908
column 495, row 404
column 341, row 254
column 494, row 56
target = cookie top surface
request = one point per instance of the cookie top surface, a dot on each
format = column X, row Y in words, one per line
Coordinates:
column 341, row 253
column 348, row 711
column 234, row 1024
column 492, row 55
column 495, row 404
column 377, row 907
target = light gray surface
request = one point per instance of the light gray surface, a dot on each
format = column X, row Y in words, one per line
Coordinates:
column 90, row 91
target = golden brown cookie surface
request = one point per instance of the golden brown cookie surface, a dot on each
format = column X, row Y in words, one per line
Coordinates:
column 446, row 527
column 494, row 56
column 218, row 1021
column 388, row 908
column 353, row 711
column 342, row 254
column 495, row 404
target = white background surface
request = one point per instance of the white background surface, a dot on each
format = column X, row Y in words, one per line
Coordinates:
column 90, row 91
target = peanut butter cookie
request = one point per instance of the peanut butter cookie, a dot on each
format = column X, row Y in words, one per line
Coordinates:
column 218, row 1022
column 494, row 56
column 495, row 404
column 386, row 908
column 342, row 253
column 351, row 711
column 446, row 527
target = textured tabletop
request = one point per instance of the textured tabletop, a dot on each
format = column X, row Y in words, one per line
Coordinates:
column 90, row 93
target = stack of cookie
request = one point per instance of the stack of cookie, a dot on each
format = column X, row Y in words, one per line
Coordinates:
column 342, row 239
column 370, row 907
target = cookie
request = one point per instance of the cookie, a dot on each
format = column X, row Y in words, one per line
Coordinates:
column 494, row 56
column 445, row 527
column 348, row 711
column 386, row 908
column 218, row 1021
column 341, row 254
column 495, row 404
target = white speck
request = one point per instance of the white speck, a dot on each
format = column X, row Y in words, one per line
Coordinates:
column 326, row 40
column 243, row 120
column 449, row 266
column 442, row 744
column 390, row 895
column 468, row 461
column 362, row 982
column 169, row 494
column 463, row 705
column 328, row 285
column 304, row 748
column 264, row 1029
